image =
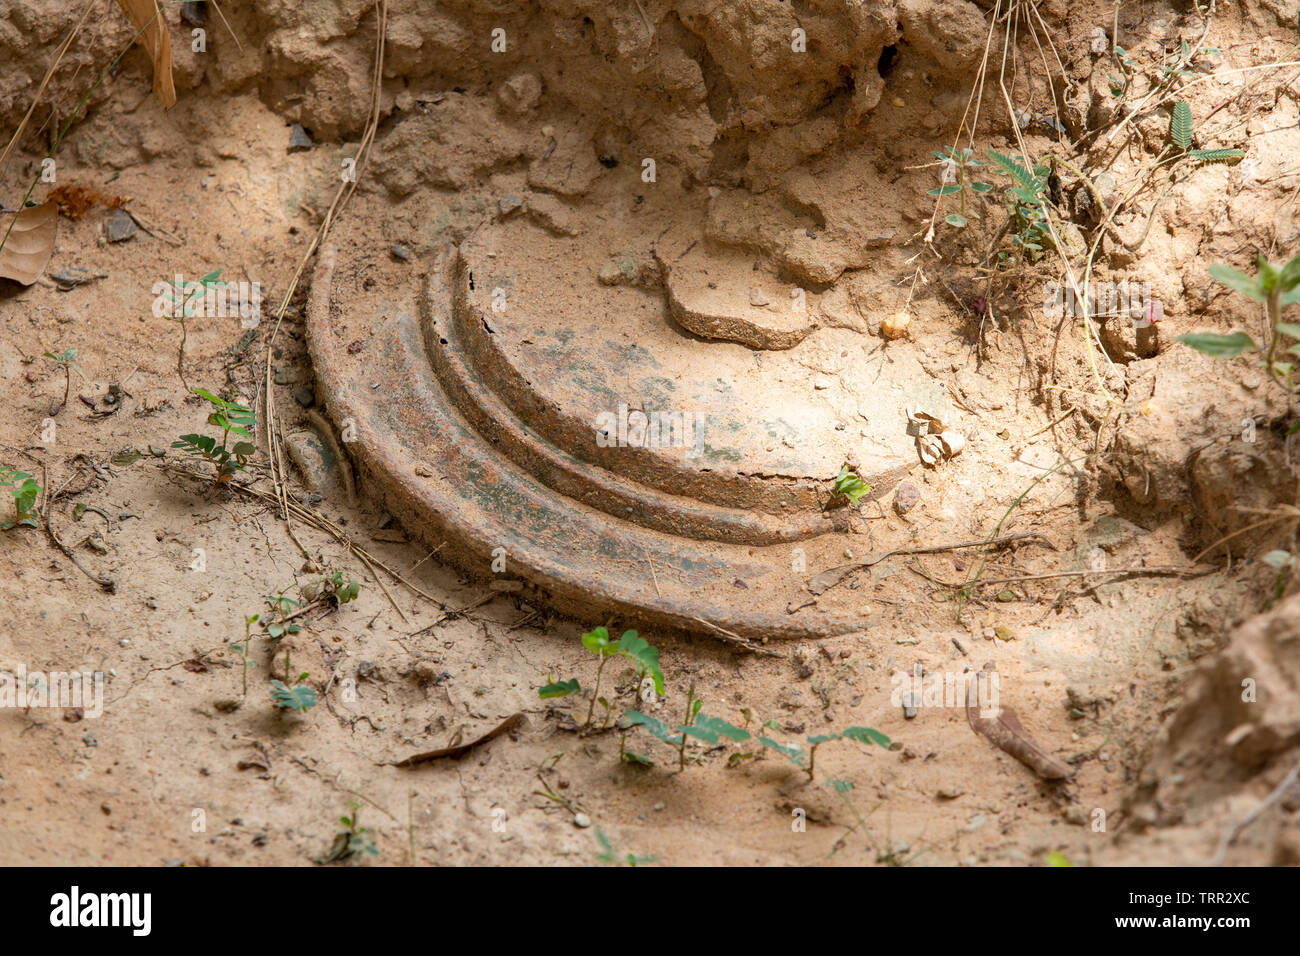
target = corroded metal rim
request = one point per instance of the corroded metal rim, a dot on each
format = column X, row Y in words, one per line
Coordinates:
column 437, row 460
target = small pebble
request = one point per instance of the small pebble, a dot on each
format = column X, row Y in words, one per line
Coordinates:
column 119, row 226
column 906, row 496
column 581, row 821
column 298, row 139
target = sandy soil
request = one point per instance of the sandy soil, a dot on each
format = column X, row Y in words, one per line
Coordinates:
column 177, row 770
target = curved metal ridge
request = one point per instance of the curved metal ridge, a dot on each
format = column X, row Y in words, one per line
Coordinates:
column 449, row 483
column 573, row 477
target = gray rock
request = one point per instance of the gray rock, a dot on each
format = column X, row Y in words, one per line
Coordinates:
column 119, row 226
column 298, row 139
column 69, row 277
column 400, row 251
column 911, row 706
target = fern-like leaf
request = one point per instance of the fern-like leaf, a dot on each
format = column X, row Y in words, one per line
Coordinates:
column 1216, row 155
column 1012, row 168
column 1180, row 125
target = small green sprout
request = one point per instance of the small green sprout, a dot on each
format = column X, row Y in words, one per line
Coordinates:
column 182, row 300
column 1276, row 287
column 956, row 164
column 297, row 698
column 631, row 645
column 67, row 360
column 25, row 491
column 610, row 858
column 231, row 418
column 850, row 485
column 354, row 840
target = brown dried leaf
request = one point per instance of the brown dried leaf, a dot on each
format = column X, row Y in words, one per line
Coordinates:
column 145, row 15
column 1007, row 734
column 512, row 722
column 29, row 244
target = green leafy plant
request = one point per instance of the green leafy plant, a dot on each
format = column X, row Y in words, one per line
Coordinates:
column 849, row 485
column 863, row 735
column 25, row 491
column 338, row 586
column 353, row 841
column 1276, row 287
column 1119, row 85
column 297, row 697
column 559, row 689
column 231, row 418
column 1181, row 131
column 67, row 361
column 631, row 646
column 597, row 641
column 1027, row 203
column 283, row 606
column 611, row 858
column 711, row 730
column 957, row 164
column 183, row 298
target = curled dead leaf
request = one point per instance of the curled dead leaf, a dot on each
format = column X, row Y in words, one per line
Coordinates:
column 27, row 242
column 952, row 442
column 922, row 422
column 930, row 449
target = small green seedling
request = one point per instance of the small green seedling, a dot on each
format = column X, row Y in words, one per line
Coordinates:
column 183, row 298
column 242, row 649
column 25, row 491
column 231, row 418
column 1181, row 130
column 1276, row 287
column 956, row 164
column 559, row 689
column 700, row 726
column 631, row 645
column 67, row 360
column 354, row 840
column 297, row 698
column 863, row 735
column 850, row 485
column 337, row 587
column 342, row 587
column 597, row 641
column 1119, row 85
column 1027, row 203
column 610, row 858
